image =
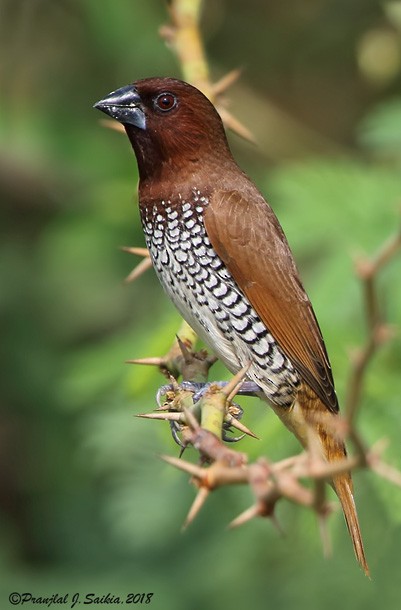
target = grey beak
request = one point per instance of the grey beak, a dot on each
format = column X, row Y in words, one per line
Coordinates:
column 124, row 105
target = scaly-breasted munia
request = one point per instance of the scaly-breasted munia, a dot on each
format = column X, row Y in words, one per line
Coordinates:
column 223, row 259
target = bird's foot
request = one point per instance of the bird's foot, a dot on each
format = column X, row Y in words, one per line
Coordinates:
column 166, row 400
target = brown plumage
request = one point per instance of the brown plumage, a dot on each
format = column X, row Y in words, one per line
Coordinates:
column 222, row 257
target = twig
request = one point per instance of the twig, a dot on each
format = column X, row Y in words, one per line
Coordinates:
column 377, row 331
column 184, row 37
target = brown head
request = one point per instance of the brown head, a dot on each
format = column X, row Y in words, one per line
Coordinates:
column 171, row 125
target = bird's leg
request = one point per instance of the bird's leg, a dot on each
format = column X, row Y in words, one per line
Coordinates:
column 195, row 392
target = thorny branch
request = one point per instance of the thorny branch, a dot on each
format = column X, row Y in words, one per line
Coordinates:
column 378, row 332
column 200, row 422
column 183, row 36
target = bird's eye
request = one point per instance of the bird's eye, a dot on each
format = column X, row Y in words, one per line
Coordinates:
column 166, row 102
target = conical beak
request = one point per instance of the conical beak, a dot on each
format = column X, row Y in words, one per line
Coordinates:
column 125, row 106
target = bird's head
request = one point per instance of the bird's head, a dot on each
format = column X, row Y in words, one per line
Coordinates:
column 170, row 124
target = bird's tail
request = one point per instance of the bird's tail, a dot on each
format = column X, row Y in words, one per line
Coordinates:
column 310, row 417
column 343, row 487
column 321, row 420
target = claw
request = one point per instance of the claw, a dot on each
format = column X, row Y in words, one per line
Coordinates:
column 231, row 439
column 162, row 391
column 175, row 431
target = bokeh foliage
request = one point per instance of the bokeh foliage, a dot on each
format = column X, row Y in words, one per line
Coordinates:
column 85, row 503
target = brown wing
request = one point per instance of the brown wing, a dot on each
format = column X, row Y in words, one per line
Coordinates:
column 249, row 239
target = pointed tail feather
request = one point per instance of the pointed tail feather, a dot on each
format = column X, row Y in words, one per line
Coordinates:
column 343, row 487
column 334, row 449
column 307, row 414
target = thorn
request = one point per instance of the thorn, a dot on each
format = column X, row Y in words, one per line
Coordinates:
column 226, row 81
column 168, row 416
column 386, row 471
column 174, row 383
column 232, row 123
column 136, row 251
column 147, row 361
column 239, row 426
column 244, row 517
column 197, row 504
column 192, row 469
column 186, row 354
column 139, row 270
column 112, row 125
column 232, row 387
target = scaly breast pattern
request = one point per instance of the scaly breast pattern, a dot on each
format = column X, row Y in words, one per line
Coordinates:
column 208, row 298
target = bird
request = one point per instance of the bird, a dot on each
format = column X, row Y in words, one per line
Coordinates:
column 223, row 259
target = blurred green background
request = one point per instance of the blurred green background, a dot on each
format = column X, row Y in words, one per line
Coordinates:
column 86, row 505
